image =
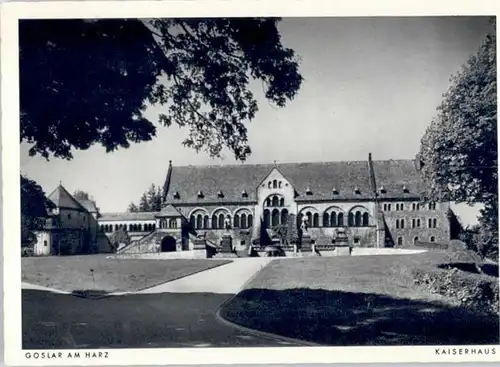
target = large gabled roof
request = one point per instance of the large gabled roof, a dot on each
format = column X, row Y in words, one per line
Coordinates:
column 313, row 181
column 63, row 199
column 90, row 205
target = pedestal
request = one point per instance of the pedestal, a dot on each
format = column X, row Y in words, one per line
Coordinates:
column 200, row 249
column 226, row 247
column 342, row 250
column 305, row 245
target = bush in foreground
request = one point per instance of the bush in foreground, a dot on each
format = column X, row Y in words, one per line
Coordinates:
column 476, row 291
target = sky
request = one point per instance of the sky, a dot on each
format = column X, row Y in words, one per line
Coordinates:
column 370, row 85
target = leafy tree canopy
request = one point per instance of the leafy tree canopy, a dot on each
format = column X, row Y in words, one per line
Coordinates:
column 34, row 206
column 90, row 81
column 150, row 200
column 459, row 149
column 82, row 195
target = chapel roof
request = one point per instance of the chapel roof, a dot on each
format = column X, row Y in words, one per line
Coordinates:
column 342, row 180
column 63, row 199
column 90, row 205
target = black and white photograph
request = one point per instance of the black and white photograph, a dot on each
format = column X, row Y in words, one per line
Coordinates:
column 256, row 183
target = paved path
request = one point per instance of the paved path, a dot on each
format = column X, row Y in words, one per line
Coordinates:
column 181, row 313
column 225, row 279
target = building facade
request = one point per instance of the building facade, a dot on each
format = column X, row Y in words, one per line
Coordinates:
column 70, row 228
column 371, row 203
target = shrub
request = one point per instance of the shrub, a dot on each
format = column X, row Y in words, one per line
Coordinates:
column 474, row 291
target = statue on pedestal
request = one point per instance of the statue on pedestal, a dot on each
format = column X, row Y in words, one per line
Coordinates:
column 227, row 222
column 304, row 225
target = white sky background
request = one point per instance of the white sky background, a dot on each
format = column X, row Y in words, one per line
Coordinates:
column 371, row 85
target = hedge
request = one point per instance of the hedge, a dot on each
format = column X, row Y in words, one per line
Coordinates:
column 476, row 291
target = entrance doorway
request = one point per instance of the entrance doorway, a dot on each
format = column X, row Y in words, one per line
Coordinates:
column 168, row 244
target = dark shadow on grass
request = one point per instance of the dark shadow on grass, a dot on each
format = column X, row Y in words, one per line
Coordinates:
column 345, row 319
column 90, row 293
column 167, row 320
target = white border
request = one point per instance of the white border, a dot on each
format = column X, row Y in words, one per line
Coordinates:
column 11, row 12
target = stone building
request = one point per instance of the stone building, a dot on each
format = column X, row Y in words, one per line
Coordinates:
column 360, row 203
column 71, row 227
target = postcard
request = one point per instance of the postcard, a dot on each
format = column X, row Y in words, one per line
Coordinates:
column 229, row 182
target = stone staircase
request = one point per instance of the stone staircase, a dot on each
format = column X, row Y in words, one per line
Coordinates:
column 147, row 243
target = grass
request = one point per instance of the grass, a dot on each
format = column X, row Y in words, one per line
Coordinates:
column 98, row 273
column 366, row 300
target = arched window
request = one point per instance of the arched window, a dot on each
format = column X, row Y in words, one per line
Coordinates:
column 434, row 223
column 413, row 223
column 269, row 184
column 116, row 227
column 243, row 221
column 236, row 221
column 172, row 223
column 250, row 220
column 350, row 220
column 199, row 221
column 397, row 223
column 340, row 219
column 154, row 226
column 402, row 223
column 267, row 218
column 430, row 223
column 275, row 217
column 418, row 223
column 275, row 201
column 284, row 216
column 139, row 227
column 315, row 222
column 365, row 219
column 279, row 184
column 326, row 220
column 358, row 219
column 205, row 222
column 268, row 202
column 221, row 221
column 400, row 241
column 433, row 239
column 309, row 218
column 192, row 221
column 282, row 202
column 214, row 221
column 275, row 184
column 415, row 240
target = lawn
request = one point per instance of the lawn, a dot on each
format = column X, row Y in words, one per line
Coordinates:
column 96, row 272
column 366, row 300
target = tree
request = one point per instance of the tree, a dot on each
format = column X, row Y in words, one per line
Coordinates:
column 81, row 195
column 458, row 151
column 118, row 237
column 89, row 81
column 132, row 208
column 34, row 207
column 150, row 200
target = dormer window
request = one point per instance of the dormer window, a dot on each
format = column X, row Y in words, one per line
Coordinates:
column 308, row 191
column 220, row 194
column 200, row 194
column 405, row 189
column 335, row 191
column 357, row 191
column 244, row 194
column 382, row 190
column 177, row 195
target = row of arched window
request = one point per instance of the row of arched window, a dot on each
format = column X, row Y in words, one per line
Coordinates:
column 138, row 227
column 275, row 201
column 275, row 217
column 415, row 223
column 401, row 206
column 201, row 220
column 275, row 184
